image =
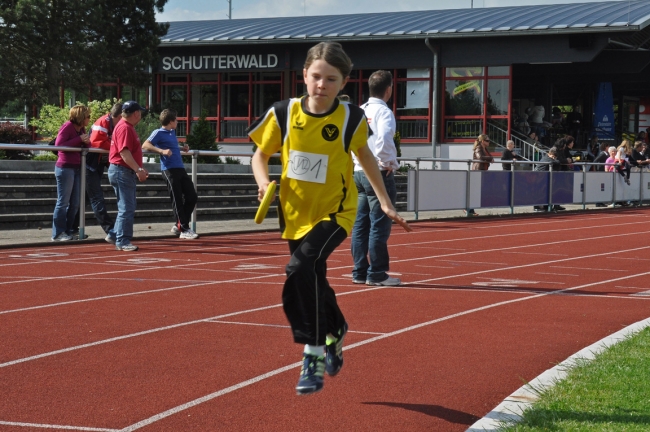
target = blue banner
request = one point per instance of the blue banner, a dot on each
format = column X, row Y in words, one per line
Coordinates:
column 604, row 112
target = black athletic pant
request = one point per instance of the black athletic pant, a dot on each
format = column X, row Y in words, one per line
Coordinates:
column 308, row 299
column 182, row 194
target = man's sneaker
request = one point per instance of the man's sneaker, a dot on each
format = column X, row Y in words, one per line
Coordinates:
column 334, row 353
column 109, row 239
column 388, row 282
column 558, row 207
column 176, row 231
column 311, row 375
column 358, row 281
column 62, row 237
column 189, row 234
column 627, row 180
column 127, row 247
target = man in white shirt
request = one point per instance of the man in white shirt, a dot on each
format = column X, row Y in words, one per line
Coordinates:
column 372, row 227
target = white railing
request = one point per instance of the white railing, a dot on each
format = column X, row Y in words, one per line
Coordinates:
column 636, row 192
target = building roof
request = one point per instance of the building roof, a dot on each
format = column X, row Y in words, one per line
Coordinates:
column 542, row 19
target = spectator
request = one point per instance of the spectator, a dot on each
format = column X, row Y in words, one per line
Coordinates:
column 623, row 153
column 601, row 157
column 372, row 227
column 574, row 121
column 642, row 136
column 483, row 159
column 181, row 189
column 568, row 156
column 637, row 160
column 593, row 149
column 561, row 151
column 508, row 155
column 125, row 170
column 536, row 119
column 100, row 137
column 67, row 171
column 550, row 159
column 557, row 118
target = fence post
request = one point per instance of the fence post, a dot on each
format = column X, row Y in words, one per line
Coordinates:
column 550, row 188
column 195, row 167
column 640, row 186
column 82, row 196
column 614, row 185
column 417, row 187
column 513, row 167
column 467, row 190
column 584, row 186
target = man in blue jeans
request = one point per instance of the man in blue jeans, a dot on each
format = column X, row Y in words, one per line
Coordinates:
column 372, row 227
column 125, row 171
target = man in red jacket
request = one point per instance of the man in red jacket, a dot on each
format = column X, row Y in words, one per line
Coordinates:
column 100, row 137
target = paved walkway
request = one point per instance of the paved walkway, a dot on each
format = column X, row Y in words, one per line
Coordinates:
column 41, row 237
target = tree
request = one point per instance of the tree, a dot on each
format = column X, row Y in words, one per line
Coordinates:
column 49, row 42
column 202, row 137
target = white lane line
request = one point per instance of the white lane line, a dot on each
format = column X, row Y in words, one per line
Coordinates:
column 133, row 293
column 262, row 377
column 279, row 326
column 217, row 321
column 556, row 274
column 50, row 426
column 594, row 269
column 331, row 269
column 525, row 265
column 643, row 293
column 410, row 244
column 156, row 330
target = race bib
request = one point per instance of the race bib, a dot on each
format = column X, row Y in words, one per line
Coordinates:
column 309, row 167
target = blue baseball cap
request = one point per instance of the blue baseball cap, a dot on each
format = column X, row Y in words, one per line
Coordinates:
column 130, row 107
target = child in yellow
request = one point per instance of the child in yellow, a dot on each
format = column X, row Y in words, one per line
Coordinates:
column 318, row 200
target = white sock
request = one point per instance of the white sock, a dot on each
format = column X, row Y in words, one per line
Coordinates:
column 317, row 350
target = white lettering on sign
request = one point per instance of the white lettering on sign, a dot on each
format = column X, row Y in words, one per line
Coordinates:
column 215, row 62
column 309, row 167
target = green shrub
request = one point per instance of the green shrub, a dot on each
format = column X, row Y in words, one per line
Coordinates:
column 148, row 124
column 202, row 137
column 46, row 157
column 232, row 160
column 52, row 117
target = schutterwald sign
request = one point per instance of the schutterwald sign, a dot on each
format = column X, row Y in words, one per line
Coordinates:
column 225, row 62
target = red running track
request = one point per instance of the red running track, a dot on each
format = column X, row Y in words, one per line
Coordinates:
column 190, row 335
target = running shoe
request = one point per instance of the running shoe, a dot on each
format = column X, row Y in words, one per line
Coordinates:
column 189, row 234
column 358, row 281
column 334, row 353
column 388, row 282
column 311, row 375
column 627, row 180
column 62, row 237
column 109, row 239
column 129, row 247
column 175, row 231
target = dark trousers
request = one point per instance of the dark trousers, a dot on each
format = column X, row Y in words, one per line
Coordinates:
column 308, row 299
column 182, row 194
column 96, row 197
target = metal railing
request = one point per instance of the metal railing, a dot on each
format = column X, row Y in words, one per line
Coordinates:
column 585, row 167
column 195, row 154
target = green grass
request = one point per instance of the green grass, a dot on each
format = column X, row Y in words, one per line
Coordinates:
column 610, row 393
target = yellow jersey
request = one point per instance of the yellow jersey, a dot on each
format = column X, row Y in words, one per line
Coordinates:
column 317, row 181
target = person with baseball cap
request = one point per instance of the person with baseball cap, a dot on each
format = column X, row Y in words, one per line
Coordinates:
column 125, row 171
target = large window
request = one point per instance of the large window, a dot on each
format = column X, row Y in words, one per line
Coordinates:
column 230, row 101
column 411, row 101
column 477, row 100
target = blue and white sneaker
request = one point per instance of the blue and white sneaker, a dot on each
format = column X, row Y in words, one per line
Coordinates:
column 334, row 353
column 311, row 375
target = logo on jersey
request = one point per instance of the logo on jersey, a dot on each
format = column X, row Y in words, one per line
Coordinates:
column 330, row 132
column 299, row 124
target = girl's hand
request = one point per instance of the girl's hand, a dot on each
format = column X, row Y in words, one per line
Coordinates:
column 395, row 217
column 262, row 190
